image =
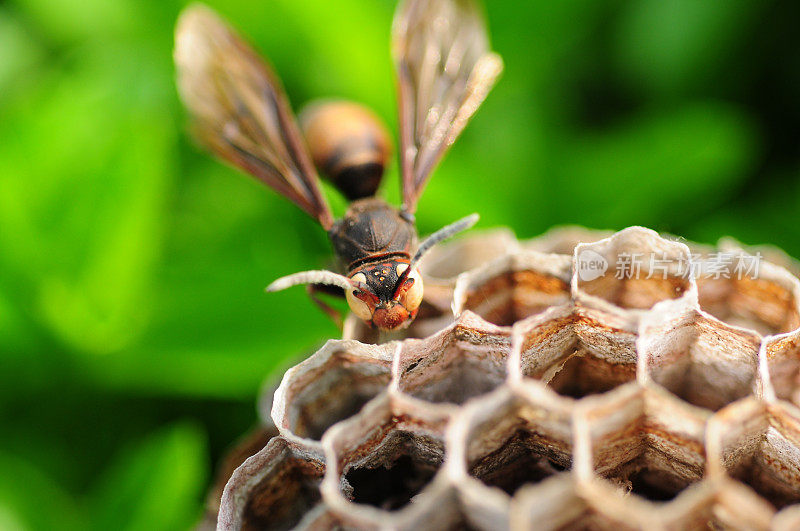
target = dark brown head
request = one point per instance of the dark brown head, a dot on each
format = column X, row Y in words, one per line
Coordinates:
column 387, row 298
column 385, row 293
column 349, row 145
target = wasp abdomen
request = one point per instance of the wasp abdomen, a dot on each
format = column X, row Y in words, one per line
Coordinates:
column 349, row 144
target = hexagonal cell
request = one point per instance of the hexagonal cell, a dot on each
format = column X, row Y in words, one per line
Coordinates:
column 643, row 440
column 332, row 385
column 562, row 240
column 782, row 355
column 698, row 358
column 384, row 458
column 515, row 437
column 273, row 489
column 381, row 460
column 462, row 361
column 745, row 290
column 633, row 269
column 758, row 443
column 573, row 353
column 514, row 287
column 510, row 438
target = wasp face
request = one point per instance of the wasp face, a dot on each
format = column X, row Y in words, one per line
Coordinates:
column 384, row 303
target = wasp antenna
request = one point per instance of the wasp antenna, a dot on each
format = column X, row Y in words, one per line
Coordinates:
column 437, row 237
column 442, row 234
column 328, row 278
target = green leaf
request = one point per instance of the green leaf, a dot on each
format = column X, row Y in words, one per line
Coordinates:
column 19, row 52
column 29, row 499
column 677, row 44
column 82, row 229
column 87, row 18
column 156, row 484
column 656, row 168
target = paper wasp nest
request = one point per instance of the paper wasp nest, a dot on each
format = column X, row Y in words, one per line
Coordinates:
column 590, row 381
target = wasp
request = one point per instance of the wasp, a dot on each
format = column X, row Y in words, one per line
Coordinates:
column 240, row 112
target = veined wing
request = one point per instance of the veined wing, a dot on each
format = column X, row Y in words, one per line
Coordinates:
column 239, row 109
column 444, row 70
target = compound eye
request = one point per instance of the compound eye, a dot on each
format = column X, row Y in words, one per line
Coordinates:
column 412, row 297
column 357, row 306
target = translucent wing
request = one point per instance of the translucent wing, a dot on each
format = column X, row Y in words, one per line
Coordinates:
column 239, row 110
column 444, row 71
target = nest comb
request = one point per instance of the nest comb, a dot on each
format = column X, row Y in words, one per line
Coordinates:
column 528, row 395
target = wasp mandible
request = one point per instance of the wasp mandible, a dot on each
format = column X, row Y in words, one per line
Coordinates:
column 240, row 112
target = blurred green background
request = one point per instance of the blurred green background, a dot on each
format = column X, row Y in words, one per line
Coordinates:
column 134, row 330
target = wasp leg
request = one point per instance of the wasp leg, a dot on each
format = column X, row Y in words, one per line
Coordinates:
column 314, row 290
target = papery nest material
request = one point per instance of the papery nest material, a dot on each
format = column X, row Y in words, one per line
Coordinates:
column 527, row 396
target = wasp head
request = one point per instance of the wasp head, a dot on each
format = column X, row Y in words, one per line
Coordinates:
column 386, row 296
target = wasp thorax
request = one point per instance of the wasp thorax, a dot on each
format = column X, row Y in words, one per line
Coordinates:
column 383, row 296
column 349, row 145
